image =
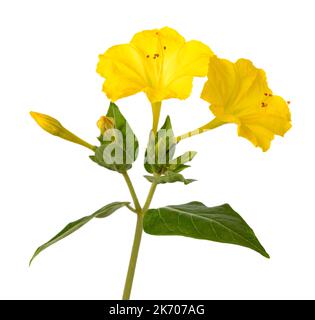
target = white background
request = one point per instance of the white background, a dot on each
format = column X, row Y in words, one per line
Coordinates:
column 48, row 56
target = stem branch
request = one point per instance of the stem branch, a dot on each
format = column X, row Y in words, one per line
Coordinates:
column 150, row 196
column 210, row 125
column 132, row 192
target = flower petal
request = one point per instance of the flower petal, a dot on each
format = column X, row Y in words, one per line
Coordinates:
column 275, row 116
column 123, row 70
column 158, row 49
column 165, row 40
column 259, row 136
column 180, row 88
column 220, row 84
column 193, row 59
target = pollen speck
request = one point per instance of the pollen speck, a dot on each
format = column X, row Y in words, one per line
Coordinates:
column 148, row 56
column 164, row 47
column 266, row 94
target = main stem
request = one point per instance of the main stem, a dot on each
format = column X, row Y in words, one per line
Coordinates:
column 133, row 257
column 138, row 235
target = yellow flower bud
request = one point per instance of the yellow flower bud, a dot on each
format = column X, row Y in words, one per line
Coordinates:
column 105, row 123
column 54, row 127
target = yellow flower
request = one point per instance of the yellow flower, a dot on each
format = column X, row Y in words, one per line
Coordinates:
column 158, row 62
column 105, row 123
column 239, row 93
column 54, row 127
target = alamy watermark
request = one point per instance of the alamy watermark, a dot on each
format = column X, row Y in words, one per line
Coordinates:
column 122, row 147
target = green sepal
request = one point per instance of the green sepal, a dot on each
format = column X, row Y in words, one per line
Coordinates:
column 160, row 149
column 164, row 142
column 178, row 164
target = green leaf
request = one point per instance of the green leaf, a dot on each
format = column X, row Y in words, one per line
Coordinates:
column 75, row 225
column 195, row 220
column 169, row 177
column 119, row 146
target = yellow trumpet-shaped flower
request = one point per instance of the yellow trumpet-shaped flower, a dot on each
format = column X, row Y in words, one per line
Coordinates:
column 158, row 62
column 54, row 127
column 239, row 93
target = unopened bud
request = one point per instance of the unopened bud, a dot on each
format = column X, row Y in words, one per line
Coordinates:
column 105, row 123
column 54, row 127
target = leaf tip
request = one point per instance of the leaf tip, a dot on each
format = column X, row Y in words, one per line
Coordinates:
column 265, row 254
column 31, row 260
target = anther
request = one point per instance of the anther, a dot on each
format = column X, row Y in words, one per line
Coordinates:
column 164, row 47
column 148, row 56
column 270, row 95
column 266, row 94
column 288, row 102
column 264, row 105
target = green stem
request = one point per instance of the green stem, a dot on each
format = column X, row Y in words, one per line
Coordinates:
column 133, row 257
column 156, row 111
column 132, row 192
column 137, row 239
column 131, row 208
column 150, row 196
column 210, row 125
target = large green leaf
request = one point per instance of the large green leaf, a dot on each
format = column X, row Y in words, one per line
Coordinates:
column 195, row 220
column 120, row 141
column 75, row 225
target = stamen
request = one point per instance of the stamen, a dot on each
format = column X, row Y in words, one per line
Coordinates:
column 266, row 94
column 264, row 105
column 148, row 56
column 164, row 47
